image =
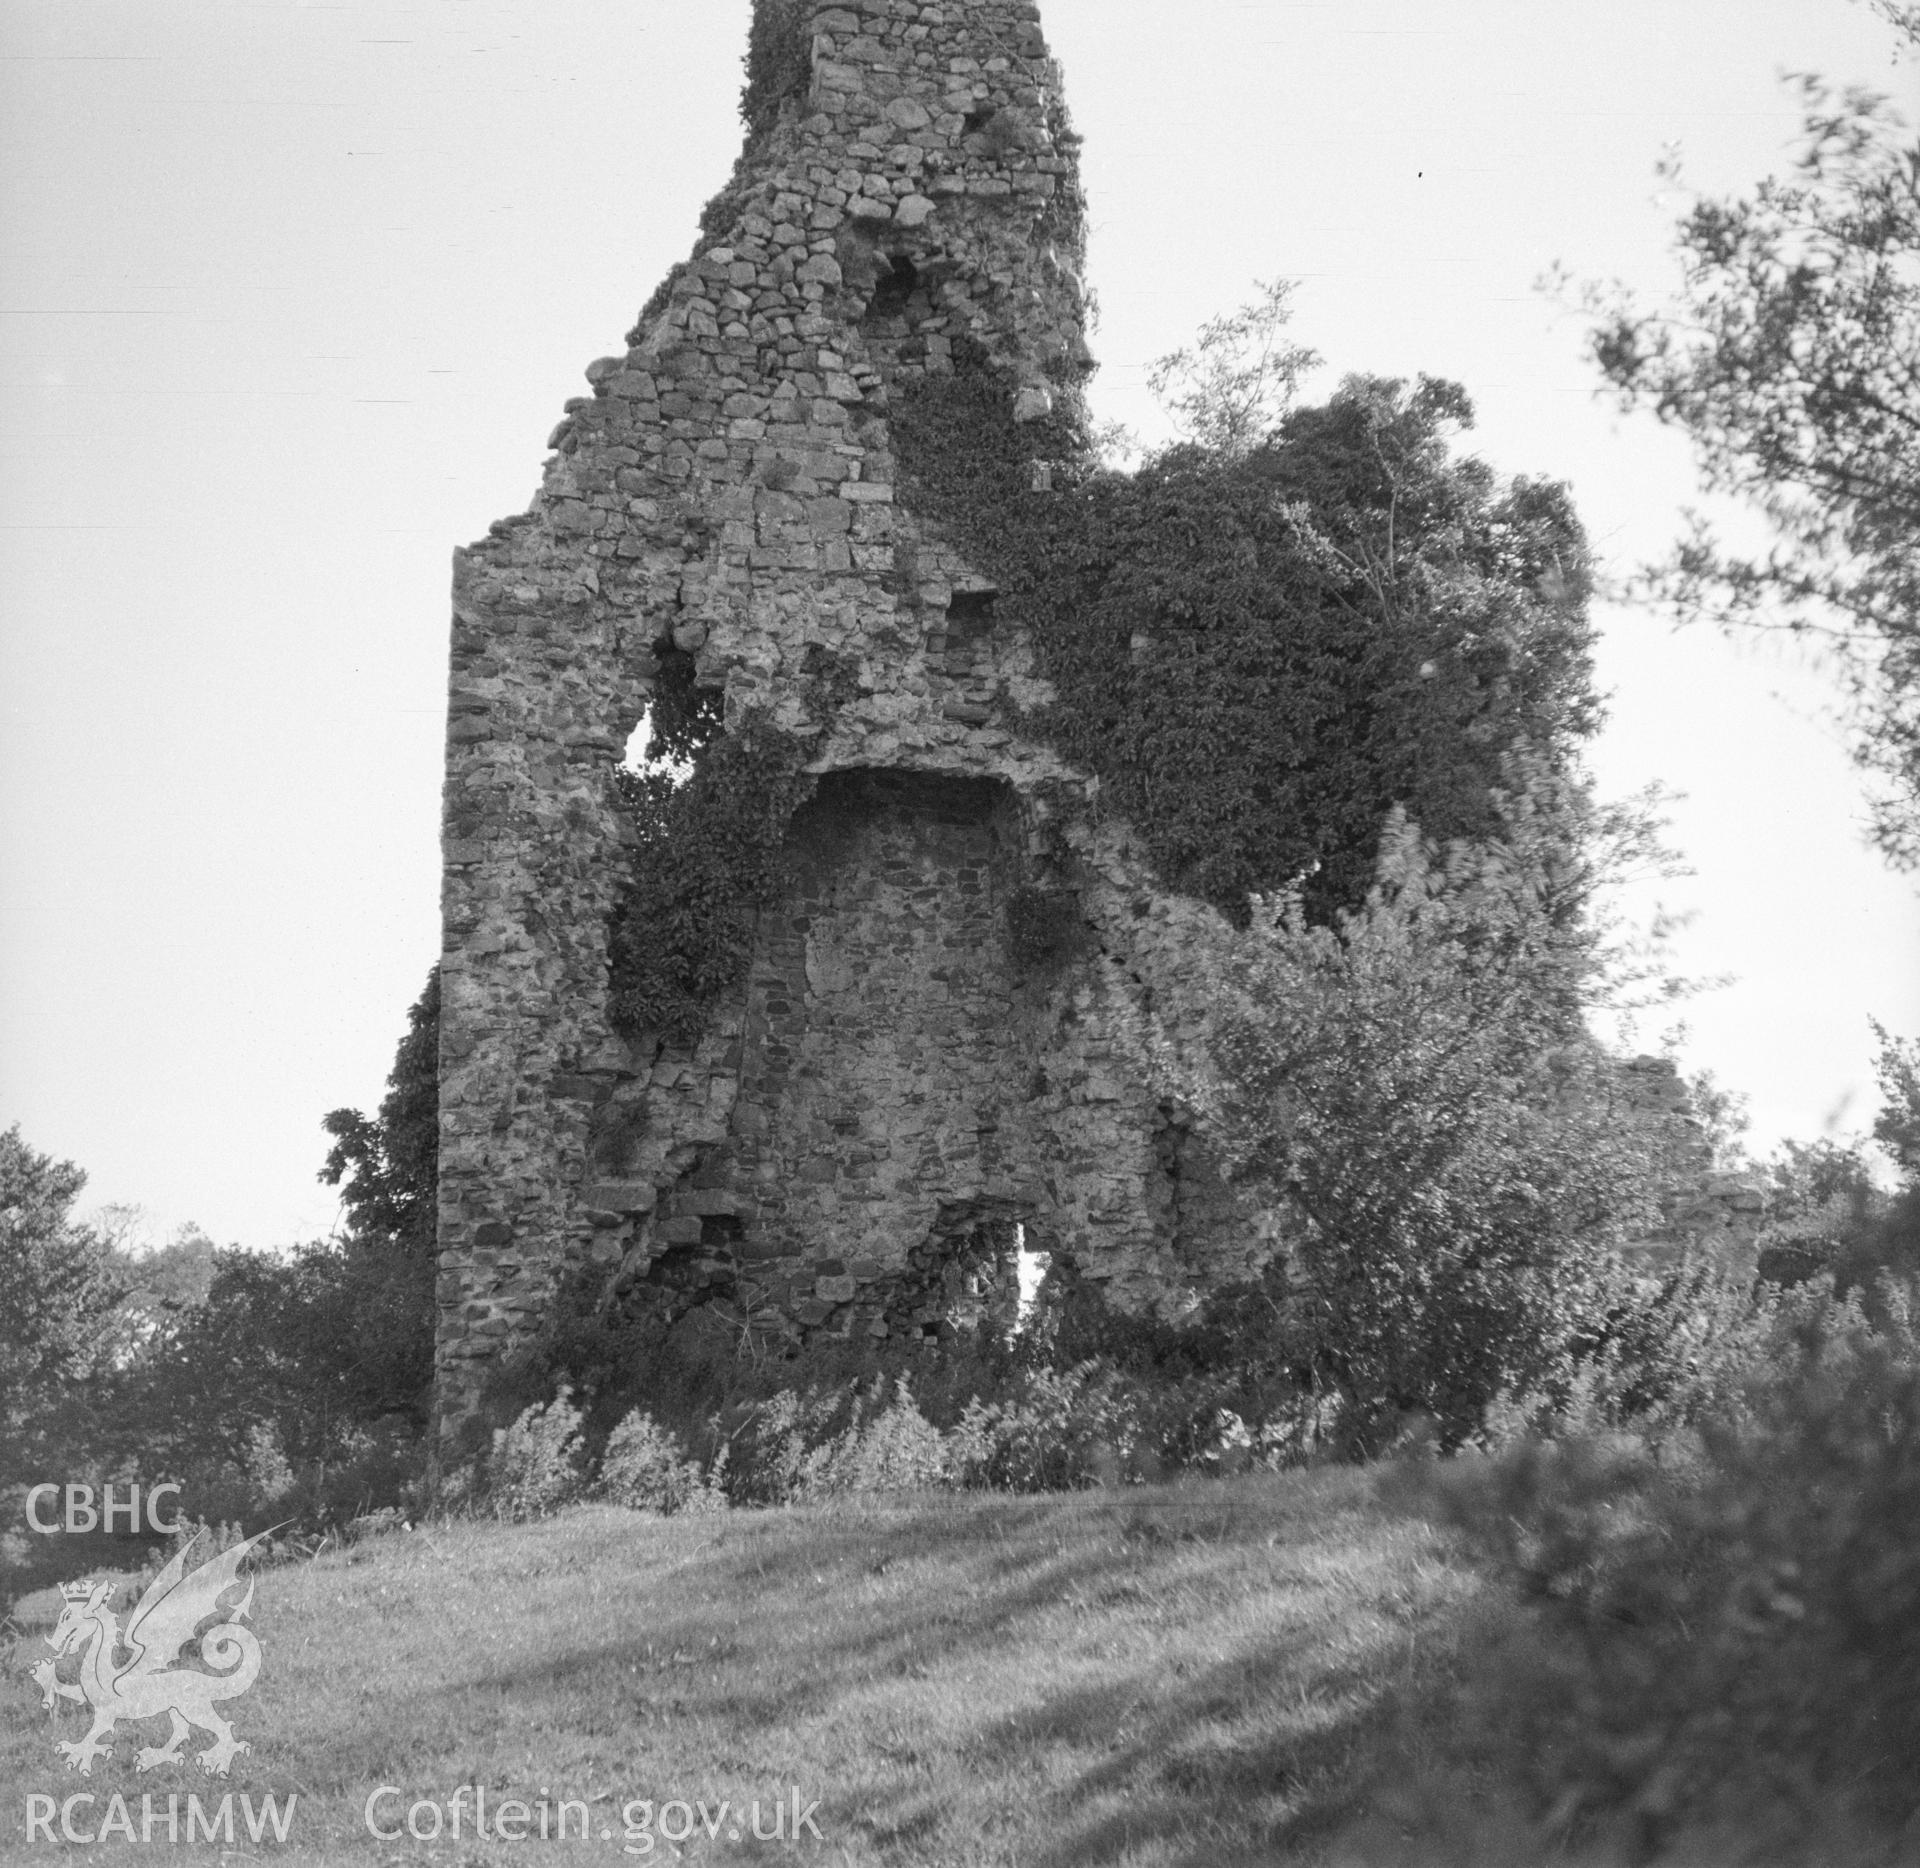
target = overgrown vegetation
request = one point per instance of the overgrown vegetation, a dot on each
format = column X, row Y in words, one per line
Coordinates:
column 779, row 60
column 1337, row 677
column 291, row 1387
column 1262, row 649
column 1415, row 1082
column 1719, row 1627
column 706, row 855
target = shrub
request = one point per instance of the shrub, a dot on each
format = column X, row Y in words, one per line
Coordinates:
column 774, row 1438
column 1057, row 1430
column 645, row 1468
column 535, row 1465
column 1726, row 1626
column 1413, row 1083
column 1653, row 1353
column 890, row 1448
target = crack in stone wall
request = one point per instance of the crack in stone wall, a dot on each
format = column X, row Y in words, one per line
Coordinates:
column 891, row 1078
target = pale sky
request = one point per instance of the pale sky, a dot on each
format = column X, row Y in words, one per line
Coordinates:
column 291, row 295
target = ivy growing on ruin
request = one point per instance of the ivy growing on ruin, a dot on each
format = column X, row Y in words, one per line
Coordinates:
column 779, row 60
column 1261, row 654
column 706, row 855
column 706, row 843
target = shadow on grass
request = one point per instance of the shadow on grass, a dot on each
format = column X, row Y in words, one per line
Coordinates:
column 1067, row 1681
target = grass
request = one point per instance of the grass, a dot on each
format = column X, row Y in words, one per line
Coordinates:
column 1170, row 1675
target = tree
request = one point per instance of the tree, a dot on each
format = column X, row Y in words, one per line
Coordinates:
column 1231, row 389
column 1897, row 1127
column 1414, row 1083
column 317, row 1366
column 58, row 1336
column 1827, row 1207
column 57, row 1287
column 388, row 1171
column 1792, row 363
column 388, row 1168
column 168, row 1278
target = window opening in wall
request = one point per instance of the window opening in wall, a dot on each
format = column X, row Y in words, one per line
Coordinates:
column 1032, row 1267
column 895, row 287
column 977, row 120
column 971, row 610
column 637, row 758
column 634, row 759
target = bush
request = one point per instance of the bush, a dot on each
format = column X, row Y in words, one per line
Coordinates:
column 891, row 1448
column 1044, row 1429
column 1059, row 1430
column 645, row 1468
column 535, row 1466
column 1654, row 1353
column 1725, row 1627
column 1414, row 1085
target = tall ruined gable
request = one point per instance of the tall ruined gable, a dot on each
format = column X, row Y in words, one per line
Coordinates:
column 906, row 1067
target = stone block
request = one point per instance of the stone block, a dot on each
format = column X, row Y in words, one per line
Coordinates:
column 623, row 1196
column 834, row 1290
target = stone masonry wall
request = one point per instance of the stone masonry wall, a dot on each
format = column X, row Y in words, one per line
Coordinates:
column 897, row 1082
column 893, row 1083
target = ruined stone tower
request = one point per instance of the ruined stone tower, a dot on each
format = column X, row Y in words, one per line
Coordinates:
column 891, row 1082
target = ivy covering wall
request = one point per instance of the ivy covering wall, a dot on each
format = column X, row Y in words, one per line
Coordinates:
column 1260, row 654
column 706, row 855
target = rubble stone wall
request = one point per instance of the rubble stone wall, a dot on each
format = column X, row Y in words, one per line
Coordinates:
column 897, row 1081
column 891, row 1078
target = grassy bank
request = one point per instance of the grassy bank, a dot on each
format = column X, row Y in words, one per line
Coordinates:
column 1159, row 1675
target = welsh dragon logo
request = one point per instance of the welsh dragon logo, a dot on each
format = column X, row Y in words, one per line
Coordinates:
column 146, row 1683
